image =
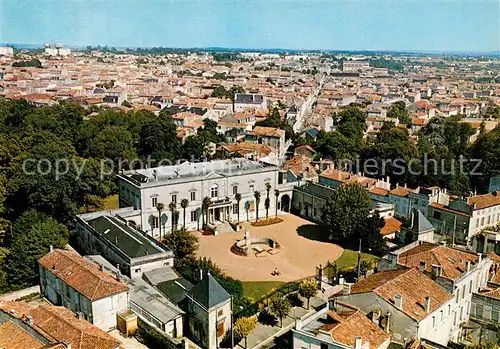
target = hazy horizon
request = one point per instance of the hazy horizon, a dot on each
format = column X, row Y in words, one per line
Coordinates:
column 405, row 26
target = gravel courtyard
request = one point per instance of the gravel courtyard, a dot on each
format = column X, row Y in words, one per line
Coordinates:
column 297, row 258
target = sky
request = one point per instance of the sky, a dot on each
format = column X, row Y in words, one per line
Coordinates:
column 427, row 25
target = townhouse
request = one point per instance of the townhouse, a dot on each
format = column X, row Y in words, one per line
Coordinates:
column 459, row 272
column 67, row 279
column 406, row 303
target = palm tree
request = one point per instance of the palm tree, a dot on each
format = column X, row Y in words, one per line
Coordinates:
column 276, row 194
column 237, row 196
column 160, row 207
column 256, row 194
column 184, row 205
column 205, row 205
column 171, row 208
column 267, row 202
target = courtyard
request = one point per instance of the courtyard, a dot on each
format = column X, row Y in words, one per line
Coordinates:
column 297, row 258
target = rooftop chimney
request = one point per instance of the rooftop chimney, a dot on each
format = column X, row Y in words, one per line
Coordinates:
column 398, row 301
column 358, row 342
column 118, row 272
column 394, row 258
column 422, row 266
column 436, row 270
column 467, row 265
column 347, row 289
column 51, row 248
column 80, row 315
column 427, row 304
column 29, row 320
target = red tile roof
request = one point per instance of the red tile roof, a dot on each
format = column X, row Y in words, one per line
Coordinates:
column 62, row 325
column 83, row 276
column 451, row 261
column 14, row 337
column 411, row 284
column 391, row 226
column 346, row 324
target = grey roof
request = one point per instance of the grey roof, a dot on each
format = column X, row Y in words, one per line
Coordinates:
column 191, row 170
column 420, row 222
column 148, row 298
column 248, row 98
column 209, row 292
column 159, row 275
column 143, row 295
column 175, row 290
column 126, row 239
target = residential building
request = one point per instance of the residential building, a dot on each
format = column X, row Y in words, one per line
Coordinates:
column 406, row 303
column 459, row 272
column 342, row 326
column 67, row 279
column 55, row 326
column 243, row 101
column 113, row 235
column 465, row 218
column 417, row 228
column 270, row 136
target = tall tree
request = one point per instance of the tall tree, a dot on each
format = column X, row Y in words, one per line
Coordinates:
column 237, row 197
column 32, row 235
column 256, row 195
column 172, row 207
column 346, row 210
column 160, row 207
column 182, row 243
column 184, row 205
column 279, row 307
column 308, row 289
column 244, row 326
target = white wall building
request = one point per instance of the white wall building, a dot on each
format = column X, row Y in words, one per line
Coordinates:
column 219, row 181
column 67, row 279
column 460, row 273
column 405, row 302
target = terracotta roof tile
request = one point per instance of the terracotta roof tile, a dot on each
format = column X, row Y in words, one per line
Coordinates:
column 391, row 226
column 62, row 325
column 452, row 261
column 479, row 202
column 83, row 276
column 411, row 284
column 14, row 337
column 267, row 131
column 346, row 325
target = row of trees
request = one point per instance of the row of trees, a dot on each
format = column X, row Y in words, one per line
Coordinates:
column 434, row 159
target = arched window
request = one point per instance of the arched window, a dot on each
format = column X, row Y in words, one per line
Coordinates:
column 214, row 191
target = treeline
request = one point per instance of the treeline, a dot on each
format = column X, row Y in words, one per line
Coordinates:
column 435, row 159
column 26, row 64
column 52, row 168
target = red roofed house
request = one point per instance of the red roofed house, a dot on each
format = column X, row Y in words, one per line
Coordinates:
column 67, row 279
column 340, row 326
column 459, row 272
column 405, row 302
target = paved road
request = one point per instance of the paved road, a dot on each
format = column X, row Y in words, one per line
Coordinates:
column 21, row 293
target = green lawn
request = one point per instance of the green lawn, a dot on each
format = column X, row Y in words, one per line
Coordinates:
column 111, row 202
column 258, row 289
column 349, row 259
